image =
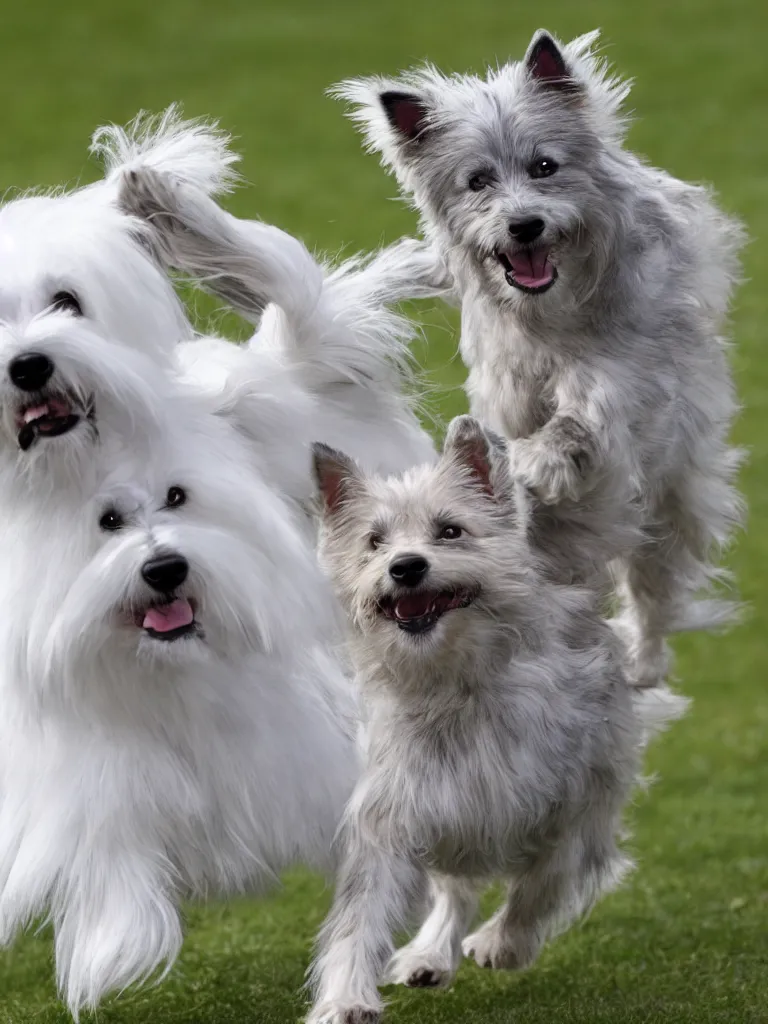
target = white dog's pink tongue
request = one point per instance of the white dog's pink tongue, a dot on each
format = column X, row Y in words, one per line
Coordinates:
column 531, row 267
column 167, row 617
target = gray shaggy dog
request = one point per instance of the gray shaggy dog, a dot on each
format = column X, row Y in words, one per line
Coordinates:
column 594, row 292
column 502, row 738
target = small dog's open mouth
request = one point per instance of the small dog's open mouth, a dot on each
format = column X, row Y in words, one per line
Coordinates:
column 169, row 621
column 48, row 416
column 418, row 613
column 529, row 269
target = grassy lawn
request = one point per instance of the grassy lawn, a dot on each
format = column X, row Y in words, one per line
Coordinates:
column 687, row 939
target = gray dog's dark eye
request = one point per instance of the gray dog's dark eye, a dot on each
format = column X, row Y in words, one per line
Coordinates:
column 374, row 541
column 450, row 532
column 543, row 168
column 480, row 180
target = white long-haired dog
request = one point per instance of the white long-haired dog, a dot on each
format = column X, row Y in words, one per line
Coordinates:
column 331, row 329
column 172, row 723
column 85, row 295
column 502, row 736
column 594, row 291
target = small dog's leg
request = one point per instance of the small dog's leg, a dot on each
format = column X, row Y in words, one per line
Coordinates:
column 431, row 959
column 557, row 888
column 558, row 461
column 375, row 892
column 652, row 591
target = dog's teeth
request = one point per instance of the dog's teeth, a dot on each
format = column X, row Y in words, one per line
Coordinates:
column 36, row 413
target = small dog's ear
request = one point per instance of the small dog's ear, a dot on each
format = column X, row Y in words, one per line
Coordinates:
column 468, row 445
column 545, row 64
column 486, row 455
column 406, row 113
column 338, row 477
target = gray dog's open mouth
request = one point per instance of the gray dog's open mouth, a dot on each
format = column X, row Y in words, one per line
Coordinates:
column 530, row 269
column 419, row 612
column 50, row 415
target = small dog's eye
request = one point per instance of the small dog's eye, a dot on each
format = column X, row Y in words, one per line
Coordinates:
column 176, row 497
column 450, row 532
column 111, row 520
column 66, row 302
column 543, row 168
column 480, row 180
column 374, row 541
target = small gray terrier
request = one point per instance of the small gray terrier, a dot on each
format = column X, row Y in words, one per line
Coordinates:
column 502, row 738
column 594, row 292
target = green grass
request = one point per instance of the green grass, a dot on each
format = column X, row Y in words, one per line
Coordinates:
column 686, row 940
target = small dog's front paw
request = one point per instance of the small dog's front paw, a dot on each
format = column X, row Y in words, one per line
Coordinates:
column 557, row 464
column 336, row 1013
column 419, row 969
column 496, row 947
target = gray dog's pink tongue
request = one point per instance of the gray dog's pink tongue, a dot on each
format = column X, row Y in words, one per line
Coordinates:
column 531, row 267
column 167, row 617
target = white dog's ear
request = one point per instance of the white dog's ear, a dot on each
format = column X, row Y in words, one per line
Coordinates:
column 546, row 64
column 338, row 477
column 193, row 152
column 484, row 454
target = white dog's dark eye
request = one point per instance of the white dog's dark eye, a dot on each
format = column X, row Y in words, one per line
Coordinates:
column 450, row 532
column 480, row 180
column 176, row 497
column 543, row 168
column 66, row 302
column 374, row 541
column 111, row 520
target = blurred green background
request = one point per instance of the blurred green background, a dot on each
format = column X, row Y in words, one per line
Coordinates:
column 686, row 940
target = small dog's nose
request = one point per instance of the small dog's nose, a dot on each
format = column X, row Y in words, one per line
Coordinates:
column 165, row 573
column 31, row 372
column 409, row 570
column 526, row 231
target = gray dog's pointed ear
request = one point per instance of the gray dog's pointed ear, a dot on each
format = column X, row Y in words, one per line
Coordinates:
column 407, row 114
column 337, row 476
column 545, row 64
column 483, row 453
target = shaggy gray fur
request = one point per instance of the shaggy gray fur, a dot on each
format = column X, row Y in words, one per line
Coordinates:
column 502, row 739
column 611, row 376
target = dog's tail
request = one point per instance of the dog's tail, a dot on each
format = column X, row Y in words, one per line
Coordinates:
column 196, row 152
column 352, row 352
column 249, row 264
column 354, row 335
column 335, row 329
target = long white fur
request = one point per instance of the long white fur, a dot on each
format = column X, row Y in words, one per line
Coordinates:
column 133, row 772
column 332, row 328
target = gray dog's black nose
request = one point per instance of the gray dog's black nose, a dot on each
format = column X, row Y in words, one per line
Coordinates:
column 526, row 231
column 30, row 372
column 166, row 573
column 409, row 570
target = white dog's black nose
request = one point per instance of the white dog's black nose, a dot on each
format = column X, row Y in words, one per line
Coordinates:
column 165, row 573
column 526, row 231
column 409, row 570
column 30, row 372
